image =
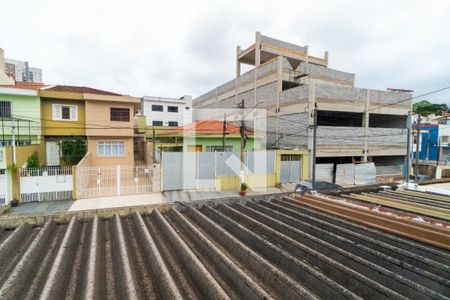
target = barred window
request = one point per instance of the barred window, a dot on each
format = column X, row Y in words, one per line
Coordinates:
column 5, row 109
column 219, row 149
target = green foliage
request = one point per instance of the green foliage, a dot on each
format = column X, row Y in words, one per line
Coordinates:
column 244, row 186
column 12, row 168
column 33, row 161
column 72, row 151
column 425, row 108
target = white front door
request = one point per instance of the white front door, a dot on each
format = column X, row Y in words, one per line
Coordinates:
column 52, row 149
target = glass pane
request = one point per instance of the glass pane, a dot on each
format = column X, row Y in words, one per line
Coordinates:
column 65, row 112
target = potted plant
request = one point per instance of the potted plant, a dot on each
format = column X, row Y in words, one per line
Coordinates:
column 244, row 188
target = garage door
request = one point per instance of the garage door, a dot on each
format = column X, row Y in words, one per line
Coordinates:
column 290, row 168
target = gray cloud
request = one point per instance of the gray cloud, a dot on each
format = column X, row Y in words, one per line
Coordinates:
column 173, row 48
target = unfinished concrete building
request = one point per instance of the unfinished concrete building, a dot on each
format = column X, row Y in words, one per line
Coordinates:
column 354, row 124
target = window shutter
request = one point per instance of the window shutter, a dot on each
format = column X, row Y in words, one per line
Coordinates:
column 73, row 113
column 56, row 112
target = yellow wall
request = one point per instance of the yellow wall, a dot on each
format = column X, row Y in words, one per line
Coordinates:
column 62, row 128
column 98, row 115
column 23, row 152
column 304, row 163
column 253, row 181
column 95, row 160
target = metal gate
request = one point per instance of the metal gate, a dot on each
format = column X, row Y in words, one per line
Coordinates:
column 180, row 170
column 52, row 153
column 290, row 168
column 101, row 181
column 3, row 187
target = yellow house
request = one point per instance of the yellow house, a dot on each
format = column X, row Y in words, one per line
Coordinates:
column 104, row 119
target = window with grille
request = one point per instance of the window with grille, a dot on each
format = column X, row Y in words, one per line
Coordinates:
column 5, row 109
column 172, row 108
column 65, row 112
column 111, row 148
column 172, row 123
column 157, row 123
column 219, row 149
column 120, row 114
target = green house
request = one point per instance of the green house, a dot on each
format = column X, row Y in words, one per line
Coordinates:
column 20, row 114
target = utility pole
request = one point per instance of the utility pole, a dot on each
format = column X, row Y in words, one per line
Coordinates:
column 243, row 138
column 416, row 167
column 408, row 145
column 224, row 131
column 313, row 181
column 13, row 132
column 154, row 144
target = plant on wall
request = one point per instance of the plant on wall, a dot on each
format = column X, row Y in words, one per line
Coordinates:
column 72, row 151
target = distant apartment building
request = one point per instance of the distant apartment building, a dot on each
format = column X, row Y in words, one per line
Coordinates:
column 354, row 124
column 162, row 111
column 21, row 71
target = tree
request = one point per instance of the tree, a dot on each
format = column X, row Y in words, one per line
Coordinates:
column 72, row 151
column 424, row 108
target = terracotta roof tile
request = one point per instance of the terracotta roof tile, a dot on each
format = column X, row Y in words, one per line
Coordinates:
column 207, row 127
column 80, row 89
column 24, row 85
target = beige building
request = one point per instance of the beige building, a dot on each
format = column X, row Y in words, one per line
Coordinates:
column 104, row 119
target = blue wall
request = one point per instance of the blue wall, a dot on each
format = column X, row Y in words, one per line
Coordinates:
column 433, row 152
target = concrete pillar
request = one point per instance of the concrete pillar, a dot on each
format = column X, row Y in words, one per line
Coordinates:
column 311, row 106
column 279, row 89
column 366, row 127
column 238, row 62
column 257, row 49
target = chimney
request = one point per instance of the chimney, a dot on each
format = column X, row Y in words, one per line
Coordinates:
column 4, row 79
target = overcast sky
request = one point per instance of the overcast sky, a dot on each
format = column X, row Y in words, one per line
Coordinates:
column 172, row 48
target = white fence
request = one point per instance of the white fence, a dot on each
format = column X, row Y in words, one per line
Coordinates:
column 100, row 181
column 47, row 183
column 4, row 194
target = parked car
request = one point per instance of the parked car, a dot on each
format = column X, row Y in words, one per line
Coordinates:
column 304, row 186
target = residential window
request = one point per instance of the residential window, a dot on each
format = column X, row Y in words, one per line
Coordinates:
column 156, row 107
column 65, row 112
column 172, row 123
column 219, row 149
column 172, row 109
column 187, row 107
column 111, row 148
column 120, row 114
column 157, row 123
column 5, row 109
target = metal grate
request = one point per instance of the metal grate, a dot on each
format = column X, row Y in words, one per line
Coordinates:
column 5, row 109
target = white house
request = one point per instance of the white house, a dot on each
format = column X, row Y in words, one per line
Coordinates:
column 161, row 111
